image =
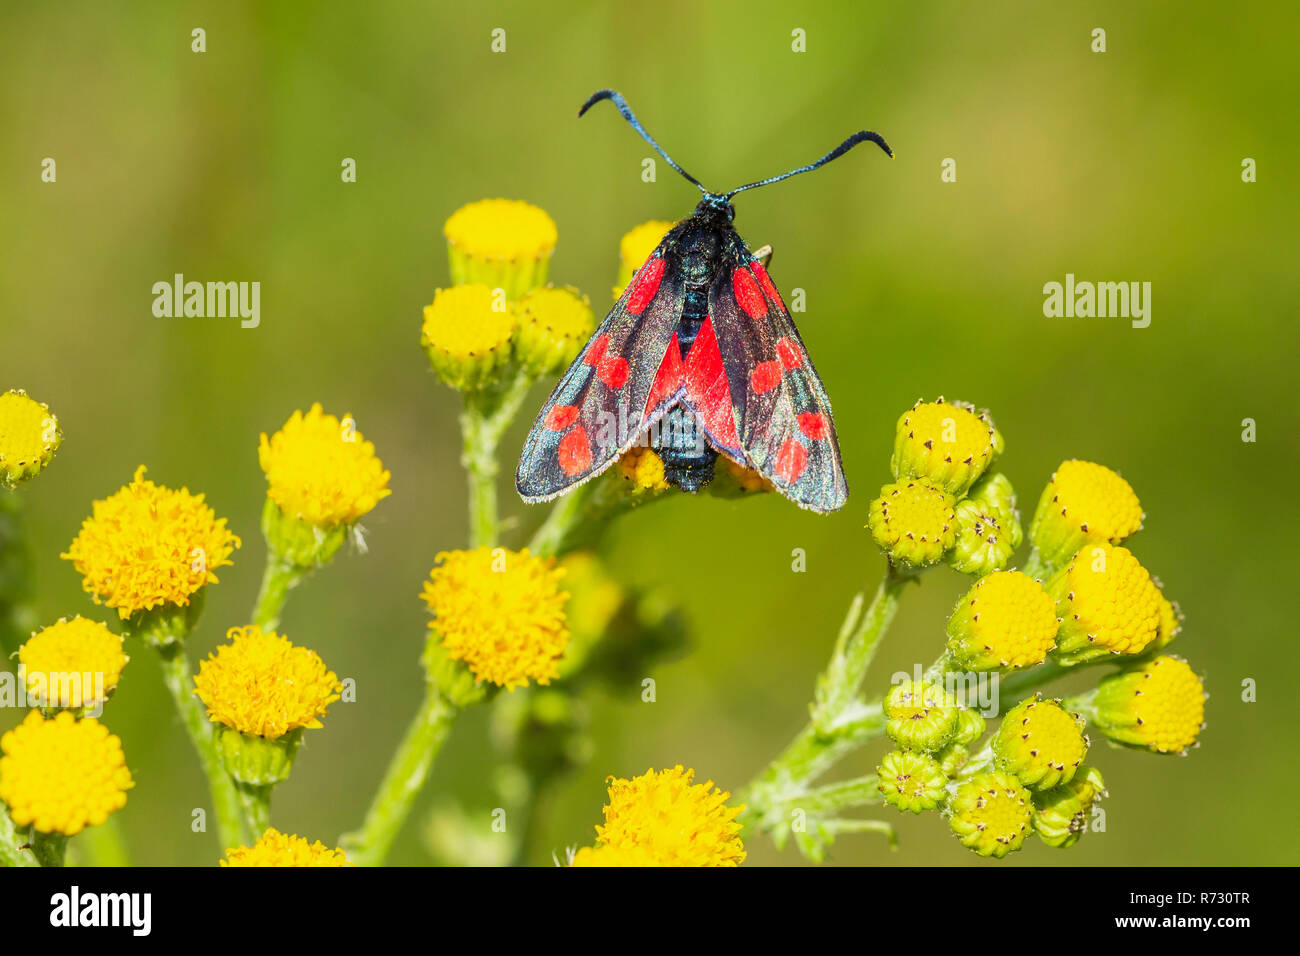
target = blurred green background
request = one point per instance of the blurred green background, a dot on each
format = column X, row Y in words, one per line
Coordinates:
column 1116, row 166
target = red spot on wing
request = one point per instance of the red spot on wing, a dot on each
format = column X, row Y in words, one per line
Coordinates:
column 575, row 451
column 596, row 350
column 791, row 461
column 645, row 285
column 814, row 425
column 707, row 389
column 765, row 377
column 765, row 281
column 669, row 379
column 748, row 294
column 788, row 352
column 613, row 371
column 561, row 417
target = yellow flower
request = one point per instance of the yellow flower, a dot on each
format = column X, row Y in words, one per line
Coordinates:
column 663, row 819
column 466, row 334
column 1158, row 705
column 146, row 546
column 62, row 775
column 991, row 814
column 1108, row 604
column 262, row 685
column 58, row 660
column 947, row 442
column 913, row 522
column 1006, row 620
column 277, row 849
column 553, row 326
column 501, row 612
column 320, row 470
column 29, row 436
column 644, row 469
column 1171, row 623
column 1041, row 743
column 1084, row 502
column 503, row 243
column 635, row 248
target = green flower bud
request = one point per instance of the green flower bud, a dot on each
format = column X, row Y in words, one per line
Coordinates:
column 256, row 761
column 950, row 443
column 952, row 758
column 1041, row 743
column 911, row 781
column 553, row 326
column 988, row 527
column 1005, row 622
column 970, row 726
column 453, row 679
column 913, row 522
column 991, row 814
column 298, row 542
column 1083, row 503
column 920, row 716
column 1061, row 814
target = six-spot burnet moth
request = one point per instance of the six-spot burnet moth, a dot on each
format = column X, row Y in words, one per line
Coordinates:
column 699, row 357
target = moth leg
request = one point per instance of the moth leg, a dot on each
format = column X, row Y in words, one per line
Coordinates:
column 764, row 254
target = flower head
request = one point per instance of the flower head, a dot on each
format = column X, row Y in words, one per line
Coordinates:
column 950, row 443
column 988, row 527
column 663, row 819
column 502, row 243
column 1061, row 814
column 920, row 716
column 262, row 685
column 321, row 470
column 62, row 775
column 911, row 781
column 643, row 469
column 1107, row 603
column 277, row 849
column 466, row 334
column 1157, row 705
column 29, row 436
column 58, row 659
column 991, row 814
column 553, row 326
column 146, row 546
column 1041, row 743
column 501, row 612
column 635, row 248
column 1084, row 502
column 913, row 522
column 1006, row 621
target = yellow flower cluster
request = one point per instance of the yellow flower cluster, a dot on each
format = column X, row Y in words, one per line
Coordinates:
column 62, row 775
column 262, row 685
column 321, row 470
column 663, row 819
column 146, row 546
column 277, row 849
column 501, row 612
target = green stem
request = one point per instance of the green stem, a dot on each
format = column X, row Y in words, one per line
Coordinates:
column 180, row 681
column 405, row 777
column 484, row 418
column 48, row 848
column 12, row 844
column 104, row 845
column 858, row 792
column 17, row 616
column 280, row 577
column 553, row 535
column 257, row 807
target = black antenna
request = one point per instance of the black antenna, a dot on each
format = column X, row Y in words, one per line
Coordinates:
column 838, row 151
column 618, row 101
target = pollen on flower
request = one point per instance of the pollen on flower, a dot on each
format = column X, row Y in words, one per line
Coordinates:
column 501, row 612
column 278, row 849
column 949, row 443
column 1005, row 620
column 29, row 436
column 62, row 775
column 991, row 814
column 644, row 469
column 502, row 229
column 1041, row 743
column 263, row 685
column 635, row 248
column 66, row 663
column 146, row 546
column 664, row 819
column 1158, row 705
column 321, row 470
column 913, row 521
column 1107, row 602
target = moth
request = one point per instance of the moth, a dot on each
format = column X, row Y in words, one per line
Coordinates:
column 698, row 358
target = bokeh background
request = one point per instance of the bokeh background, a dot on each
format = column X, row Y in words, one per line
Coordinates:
column 1117, row 166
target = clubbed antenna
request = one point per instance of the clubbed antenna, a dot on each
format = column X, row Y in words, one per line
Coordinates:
column 838, row 151
column 621, row 104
